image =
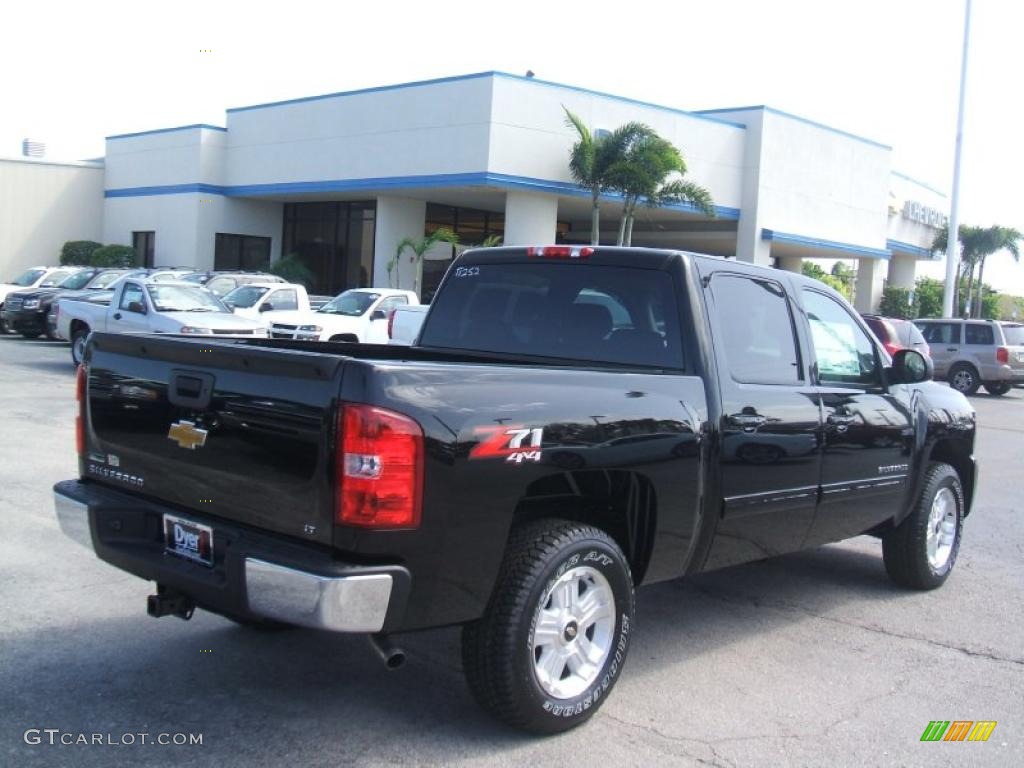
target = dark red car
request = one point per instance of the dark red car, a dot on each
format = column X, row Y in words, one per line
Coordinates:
column 896, row 334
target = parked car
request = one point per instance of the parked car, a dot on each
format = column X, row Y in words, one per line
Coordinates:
column 358, row 315
column 263, row 301
column 896, row 334
column 222, row 283
column 973, row 353
column 377, row 489
column 28, row 311
column 141, row 305
column 34, row 277
column 404, row 323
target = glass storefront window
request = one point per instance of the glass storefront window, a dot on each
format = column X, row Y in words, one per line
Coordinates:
column 333, row 239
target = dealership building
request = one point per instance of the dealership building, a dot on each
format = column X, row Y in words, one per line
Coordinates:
column 341, row 179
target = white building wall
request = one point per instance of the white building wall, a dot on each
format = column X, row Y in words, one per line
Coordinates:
column 174, row 218
column 236, row 216
column 822, row 184
column 529, row 136
column 397, row 219
column 43, row 205
column 160, row 158
column 530, row 218
column 439, row 128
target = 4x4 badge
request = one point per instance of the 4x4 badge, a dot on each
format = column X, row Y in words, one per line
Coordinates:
column 187, row 435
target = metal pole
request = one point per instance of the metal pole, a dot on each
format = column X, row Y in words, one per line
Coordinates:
column 953, row 236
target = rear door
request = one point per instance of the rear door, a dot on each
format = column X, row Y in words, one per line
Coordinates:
column 944, row 341
column 770, row 459
column 867, row 433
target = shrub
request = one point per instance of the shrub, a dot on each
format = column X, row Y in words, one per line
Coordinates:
column 292, row 269
column 896, row 303
column 113, row 256
column 78, row 252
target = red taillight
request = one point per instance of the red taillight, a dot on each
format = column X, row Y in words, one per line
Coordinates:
column 391, row 323
column 559, row 251
column 81, row 378
column 891, row 347
column 379, row 468
column 1003, row 355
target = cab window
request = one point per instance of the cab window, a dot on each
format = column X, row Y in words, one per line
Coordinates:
column 284, row 299
column 132, row 293
column 844, row 352
column 755, row 328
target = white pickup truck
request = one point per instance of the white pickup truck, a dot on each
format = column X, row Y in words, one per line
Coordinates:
column 265, row 301
column 405, row 322
column 143, row 306
column 359, row 315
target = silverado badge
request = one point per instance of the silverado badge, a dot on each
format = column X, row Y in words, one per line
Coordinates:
column 187, row 435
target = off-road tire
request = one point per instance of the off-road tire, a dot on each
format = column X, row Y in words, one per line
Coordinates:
column 905, row 548
column 498, row 655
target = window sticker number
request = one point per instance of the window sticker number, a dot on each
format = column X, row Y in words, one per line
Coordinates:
column 467, row 271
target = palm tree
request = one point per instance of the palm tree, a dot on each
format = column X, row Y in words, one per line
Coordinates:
column 996, row 239
column 592, row 156
column 651, row 170
column 419, row 248
column 972, row 242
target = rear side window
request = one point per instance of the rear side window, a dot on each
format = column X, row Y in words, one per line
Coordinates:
column 941, row 333
column 570, row 311
column 909, row 334
column 1014, row 335
column 285, row 299
column 755, row 329
column 979, row 334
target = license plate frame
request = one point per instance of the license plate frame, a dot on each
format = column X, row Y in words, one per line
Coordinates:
column 188, row 539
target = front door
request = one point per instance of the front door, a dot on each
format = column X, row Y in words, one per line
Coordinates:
column 867, row 435
column 769, row 457
column 125, row 318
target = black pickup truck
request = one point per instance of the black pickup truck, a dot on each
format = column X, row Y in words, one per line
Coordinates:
column 572, row 422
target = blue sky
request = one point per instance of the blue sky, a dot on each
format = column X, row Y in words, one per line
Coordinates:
column 884, row 69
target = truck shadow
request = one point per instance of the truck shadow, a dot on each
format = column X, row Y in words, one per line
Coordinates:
column 306, row 697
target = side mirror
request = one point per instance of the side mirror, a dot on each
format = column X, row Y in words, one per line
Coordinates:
column 379, row 314
column 137, row 307
column 268, row 307
column 911, row 367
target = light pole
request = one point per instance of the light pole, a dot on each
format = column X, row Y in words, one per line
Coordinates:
column 953, row 233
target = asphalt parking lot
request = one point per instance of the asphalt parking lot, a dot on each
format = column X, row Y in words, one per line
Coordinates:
column 812, row 659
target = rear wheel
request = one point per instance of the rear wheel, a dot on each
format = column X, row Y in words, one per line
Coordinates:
column 78, row 339
column 997, row 388
column 554, row 638
column 964, row 379
column 921, row 551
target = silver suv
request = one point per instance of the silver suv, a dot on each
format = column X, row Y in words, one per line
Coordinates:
column 971, row 353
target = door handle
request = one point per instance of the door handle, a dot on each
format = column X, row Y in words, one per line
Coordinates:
column 748, row 421
column 117, row 315
column 951, row 349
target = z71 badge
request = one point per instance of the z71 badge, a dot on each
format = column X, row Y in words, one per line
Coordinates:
column 513, row 443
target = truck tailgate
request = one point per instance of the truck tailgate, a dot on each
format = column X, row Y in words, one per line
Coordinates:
column 230, row 430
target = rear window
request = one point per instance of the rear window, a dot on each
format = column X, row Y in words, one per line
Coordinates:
column 908, row 333
column 1014, row 335
column 569, row 311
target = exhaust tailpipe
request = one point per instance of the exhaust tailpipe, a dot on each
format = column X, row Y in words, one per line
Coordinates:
column 392, row 656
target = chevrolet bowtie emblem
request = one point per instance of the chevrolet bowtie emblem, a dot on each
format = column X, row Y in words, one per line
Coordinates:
column 187, row 435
